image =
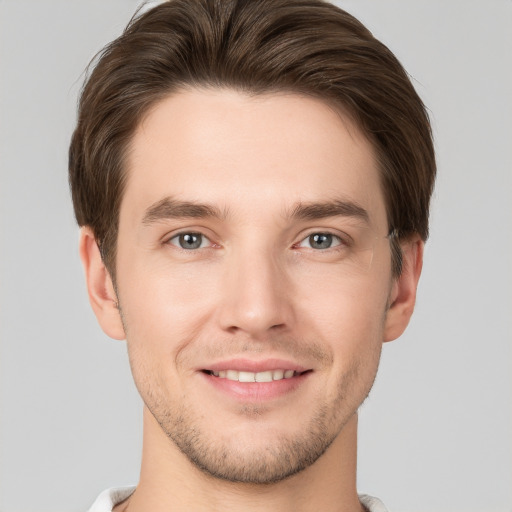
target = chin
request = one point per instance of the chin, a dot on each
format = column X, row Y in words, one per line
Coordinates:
column 254, row 453
column 262, row 461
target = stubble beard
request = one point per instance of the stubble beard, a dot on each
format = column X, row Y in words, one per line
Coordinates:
column 277, row 461
column 265, row 463
column 279, row 457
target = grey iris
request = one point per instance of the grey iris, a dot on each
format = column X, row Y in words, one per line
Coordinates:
column 190, row 240
column 320, row 241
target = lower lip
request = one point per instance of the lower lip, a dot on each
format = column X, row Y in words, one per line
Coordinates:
column 256, row 391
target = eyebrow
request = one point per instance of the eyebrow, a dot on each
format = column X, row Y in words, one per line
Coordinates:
column 335, row 208
column 169, row 208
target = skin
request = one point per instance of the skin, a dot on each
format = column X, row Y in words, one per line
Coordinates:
column 256, row 289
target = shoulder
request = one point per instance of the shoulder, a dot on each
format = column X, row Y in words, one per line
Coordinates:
column 372, row 504
column 108, row 499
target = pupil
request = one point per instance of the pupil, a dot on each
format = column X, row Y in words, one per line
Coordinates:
column 320, row 241
column 190, row 241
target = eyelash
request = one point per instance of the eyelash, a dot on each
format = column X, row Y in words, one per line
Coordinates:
column 342, row 242
column 190, row 233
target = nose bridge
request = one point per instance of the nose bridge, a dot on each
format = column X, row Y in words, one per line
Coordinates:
column 256, row 297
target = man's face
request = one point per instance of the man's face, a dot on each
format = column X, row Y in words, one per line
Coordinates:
column 252, row 246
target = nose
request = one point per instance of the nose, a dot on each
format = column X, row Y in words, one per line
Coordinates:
column 257, row 295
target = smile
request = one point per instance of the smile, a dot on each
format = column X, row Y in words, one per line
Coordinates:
column 265, row 376
column 256, row 381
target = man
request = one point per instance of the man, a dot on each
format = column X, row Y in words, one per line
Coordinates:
column 253, row 182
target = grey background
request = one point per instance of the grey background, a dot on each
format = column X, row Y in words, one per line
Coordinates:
column 435, row 432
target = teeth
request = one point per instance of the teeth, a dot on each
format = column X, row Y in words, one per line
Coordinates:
column 277, row 374
column 267, row 376
column 232, row 375
column 245, row 376
column 263, row 377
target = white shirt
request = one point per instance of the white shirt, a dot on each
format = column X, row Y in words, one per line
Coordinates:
column 108, row 499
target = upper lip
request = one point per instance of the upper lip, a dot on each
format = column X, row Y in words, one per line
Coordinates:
column 250, row 365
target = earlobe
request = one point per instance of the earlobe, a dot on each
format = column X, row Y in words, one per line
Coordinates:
column 403, row 292
column 100, row 288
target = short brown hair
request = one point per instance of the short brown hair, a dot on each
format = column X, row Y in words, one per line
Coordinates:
column 257, row 46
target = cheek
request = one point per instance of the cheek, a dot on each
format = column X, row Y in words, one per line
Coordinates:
column 163, row 314
column 351, row 323
column 161, row 305
column 167, row 307
column 346, row 310
column 348, row 318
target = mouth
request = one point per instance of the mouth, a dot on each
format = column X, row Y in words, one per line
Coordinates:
column 256, row 381
column 263, row 376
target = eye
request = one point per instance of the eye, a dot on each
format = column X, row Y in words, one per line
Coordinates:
column 321, row 241
column 190, row 241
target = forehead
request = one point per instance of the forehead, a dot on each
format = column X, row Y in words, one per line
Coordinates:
column 249, row 154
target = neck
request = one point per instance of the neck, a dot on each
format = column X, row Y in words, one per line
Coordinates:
column 169, row 481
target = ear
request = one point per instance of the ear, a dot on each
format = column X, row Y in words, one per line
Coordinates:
column 403, row 291
column 101, row 291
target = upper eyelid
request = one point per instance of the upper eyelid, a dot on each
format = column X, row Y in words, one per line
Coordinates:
column 342, row 242
column 173, row 234
column 179, row 233
column 343, row 236
column 176, row 246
